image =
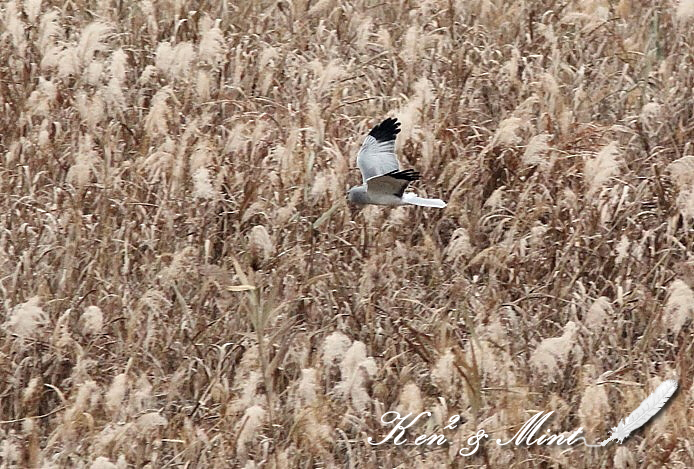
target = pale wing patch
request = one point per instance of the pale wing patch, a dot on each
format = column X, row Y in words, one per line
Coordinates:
column 392, row 183
column 386, row 185
column 376, row 158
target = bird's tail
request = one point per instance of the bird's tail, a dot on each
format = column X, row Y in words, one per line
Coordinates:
column 412, row 199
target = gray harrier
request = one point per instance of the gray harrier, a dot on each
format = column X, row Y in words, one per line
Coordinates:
column 384, row 183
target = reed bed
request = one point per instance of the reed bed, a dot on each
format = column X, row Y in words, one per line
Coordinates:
column 183, row 284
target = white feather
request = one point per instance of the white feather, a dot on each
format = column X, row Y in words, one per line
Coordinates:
column 412, row 199
column 643, row 413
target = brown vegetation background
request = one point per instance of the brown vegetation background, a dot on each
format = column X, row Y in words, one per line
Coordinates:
column 177, row 292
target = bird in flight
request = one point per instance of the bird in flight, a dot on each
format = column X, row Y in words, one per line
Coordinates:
column 384, row 182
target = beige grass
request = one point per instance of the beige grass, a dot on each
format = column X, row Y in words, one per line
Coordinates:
column 170, row 300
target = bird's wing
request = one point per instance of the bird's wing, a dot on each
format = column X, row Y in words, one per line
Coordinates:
column 392, row 183
column 377, row 154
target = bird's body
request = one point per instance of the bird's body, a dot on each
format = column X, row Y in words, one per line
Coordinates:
column 384, row 182
column 360, row 196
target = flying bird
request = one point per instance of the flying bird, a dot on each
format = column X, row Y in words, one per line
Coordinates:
column 384, row 182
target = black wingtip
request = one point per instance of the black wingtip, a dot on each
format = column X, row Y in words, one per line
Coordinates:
column 406, row 175
column 386, row 130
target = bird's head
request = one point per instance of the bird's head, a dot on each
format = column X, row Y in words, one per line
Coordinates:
column 357, row 195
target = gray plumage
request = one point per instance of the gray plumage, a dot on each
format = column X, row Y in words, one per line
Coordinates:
column 384, row 182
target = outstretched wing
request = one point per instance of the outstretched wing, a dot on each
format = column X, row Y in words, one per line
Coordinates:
column 377, row 154
column 392, row 183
